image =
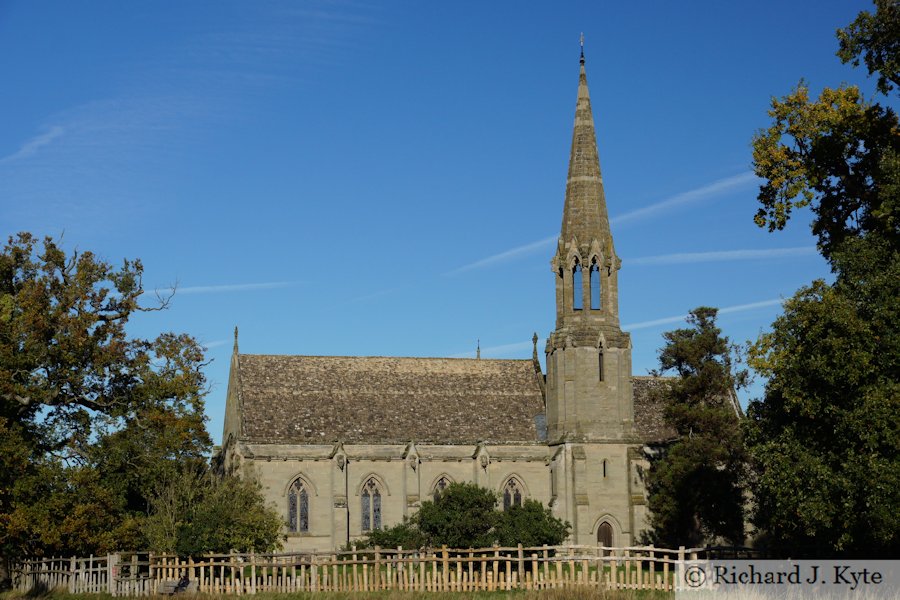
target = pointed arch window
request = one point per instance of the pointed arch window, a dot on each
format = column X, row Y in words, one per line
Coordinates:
column 512, row 493
column 577, row 287
column 595, row 285
column 371, row 505
column 439, row 487
column 298, row 508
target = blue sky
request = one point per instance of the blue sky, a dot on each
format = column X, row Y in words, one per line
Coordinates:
column 360, row 178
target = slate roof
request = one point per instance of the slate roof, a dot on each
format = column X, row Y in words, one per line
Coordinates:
column 366, row 399
column 373, row 399
column 648, row 411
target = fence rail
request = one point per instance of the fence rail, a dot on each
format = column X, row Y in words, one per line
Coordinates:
column 441, row 569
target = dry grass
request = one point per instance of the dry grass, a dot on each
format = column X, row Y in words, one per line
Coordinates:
column 558, row 594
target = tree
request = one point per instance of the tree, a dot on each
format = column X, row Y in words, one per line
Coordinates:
column 198, row 512
column 92, row 418
column 465, row 515
column 877, row 38
column 825, row 439
column 826, row 436
column 835, row 155
column 531, row 525
column 696, row 484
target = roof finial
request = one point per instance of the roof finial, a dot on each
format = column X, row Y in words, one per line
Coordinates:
column 478, row 350
column 235, row 339
column 534, row 340
column 582, row 47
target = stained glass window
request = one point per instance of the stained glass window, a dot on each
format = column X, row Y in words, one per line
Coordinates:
column 292, row 509
column 376, row 509
column 371, row 506
column 512, row 494
column 298, row 508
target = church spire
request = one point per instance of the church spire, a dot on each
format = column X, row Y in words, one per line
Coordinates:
column 584, row 215
column 585, row 263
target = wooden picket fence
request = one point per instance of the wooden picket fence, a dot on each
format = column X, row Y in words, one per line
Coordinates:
column 443, row 569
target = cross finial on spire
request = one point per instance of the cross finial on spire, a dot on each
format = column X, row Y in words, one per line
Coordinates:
column 582, row 47
column 478, row 349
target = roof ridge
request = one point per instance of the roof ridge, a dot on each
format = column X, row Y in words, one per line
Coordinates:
column 395, row 357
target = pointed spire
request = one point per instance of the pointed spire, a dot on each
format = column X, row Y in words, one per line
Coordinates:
column 478, row 350
column 584, row 216
column 235, row 351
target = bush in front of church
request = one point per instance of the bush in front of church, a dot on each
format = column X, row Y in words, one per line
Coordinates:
column 531, row 524
column 465, row 515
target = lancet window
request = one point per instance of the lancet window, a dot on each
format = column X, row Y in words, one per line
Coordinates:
column 577, row 287
column 298, row 508
column 595, row 285
column 371, row 505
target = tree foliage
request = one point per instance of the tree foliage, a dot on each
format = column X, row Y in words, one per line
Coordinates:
column 696, row 484
column 876, row 39
column 198, row 512
column 531, row 525
column 835, row 155
column 92, row 419
column 465, row 515
column 825, row 439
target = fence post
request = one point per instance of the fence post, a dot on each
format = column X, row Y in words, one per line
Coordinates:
column 112, row 570
column 521, row 569
column 679, row 570
column 376, row 577
column 445, row 567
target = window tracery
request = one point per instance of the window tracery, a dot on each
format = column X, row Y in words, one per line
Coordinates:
column 512, row 493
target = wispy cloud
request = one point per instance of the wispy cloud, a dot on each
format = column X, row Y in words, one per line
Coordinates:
column 495, row 351
column 230, row 287
column 34, row 144
column 505, row 256
column 681, row 318
column 214, row 344
column 723, row 256
column 715, row 188
column 372, row 296
column 517, row 347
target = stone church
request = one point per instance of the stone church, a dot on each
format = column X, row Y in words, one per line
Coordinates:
column 346, row 444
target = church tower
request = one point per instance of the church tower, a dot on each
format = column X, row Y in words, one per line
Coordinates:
column 589, row 389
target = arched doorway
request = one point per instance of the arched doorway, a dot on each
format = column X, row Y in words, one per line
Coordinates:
column 605, row 534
